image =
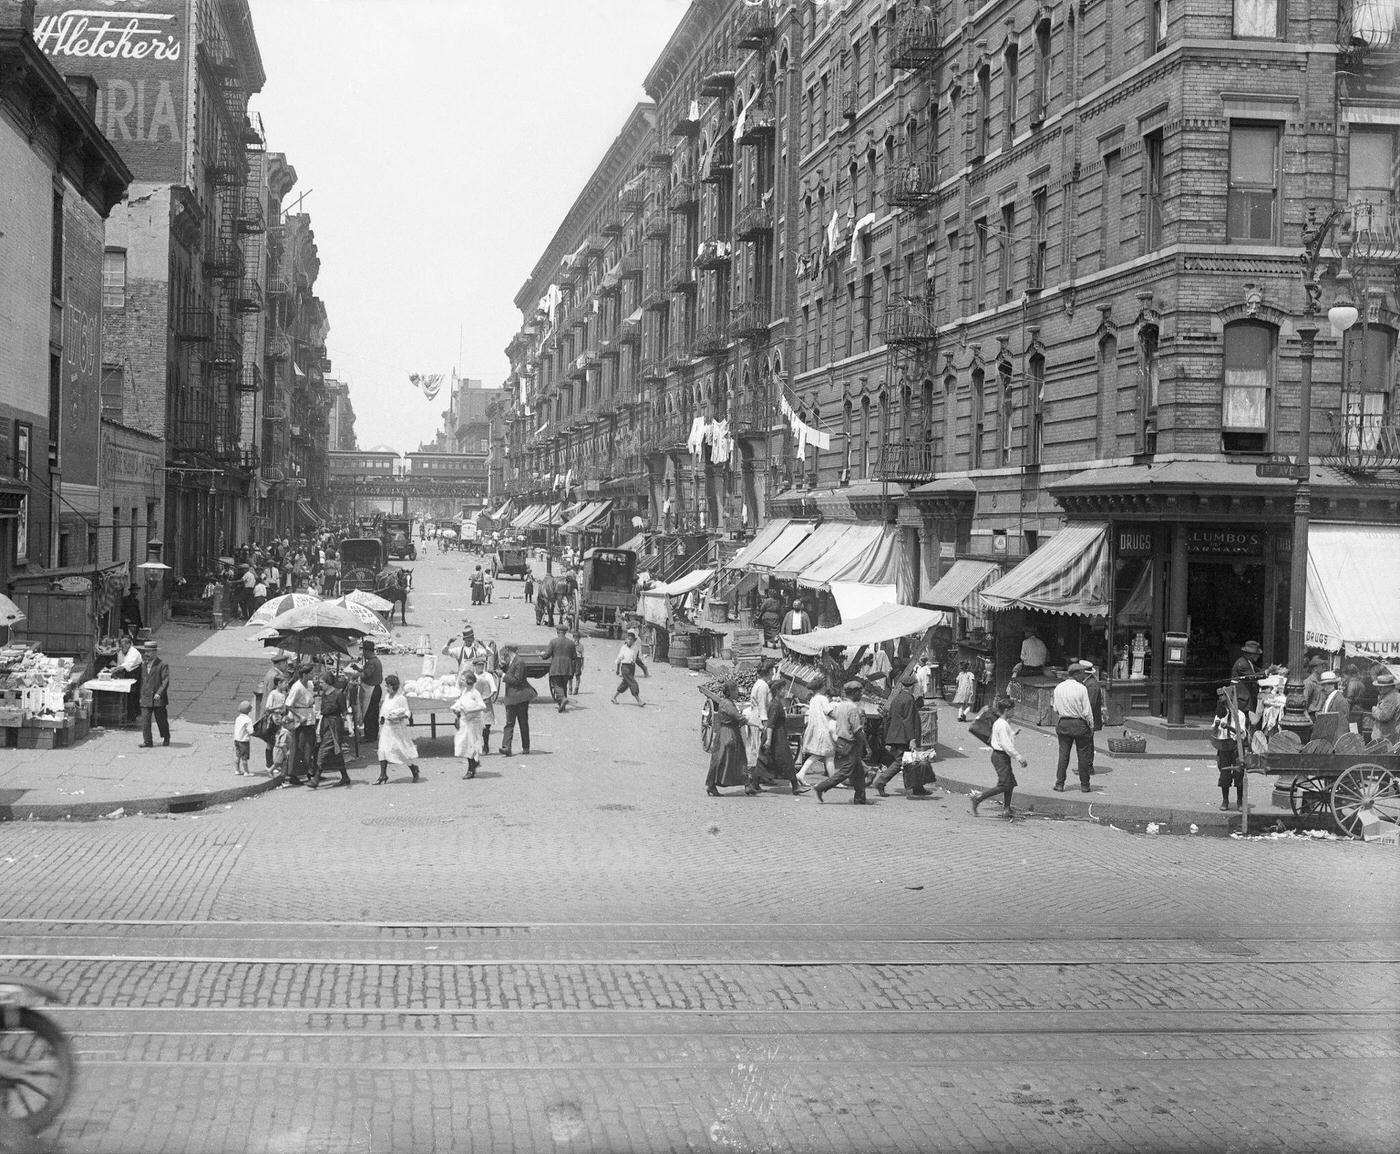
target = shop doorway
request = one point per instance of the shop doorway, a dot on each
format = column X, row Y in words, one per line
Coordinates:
column 1225, row 602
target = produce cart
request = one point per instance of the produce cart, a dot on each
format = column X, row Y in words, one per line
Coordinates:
column 1336, row 786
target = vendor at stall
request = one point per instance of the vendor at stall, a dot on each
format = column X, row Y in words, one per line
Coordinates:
column 1034, row 655
column 128, row 667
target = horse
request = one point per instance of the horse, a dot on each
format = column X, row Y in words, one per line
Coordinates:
column 393, row 585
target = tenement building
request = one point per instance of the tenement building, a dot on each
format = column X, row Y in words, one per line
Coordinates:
column 997, row 308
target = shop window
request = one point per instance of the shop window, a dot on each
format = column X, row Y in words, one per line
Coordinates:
column 1252, row 210
column 1248, row 386
column 1259, row 19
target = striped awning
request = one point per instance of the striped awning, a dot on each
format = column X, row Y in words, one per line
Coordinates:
column 1068, row 574
column 960, row 586
column 824, row 538
column 587, row 518
column 866, row 554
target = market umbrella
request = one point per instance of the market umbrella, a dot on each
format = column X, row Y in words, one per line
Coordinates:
column 310, row 643
column 321, row 616
column 447, row 532
column 277, row 606
column 9, row 611
column 364, row 614
column 367, row 599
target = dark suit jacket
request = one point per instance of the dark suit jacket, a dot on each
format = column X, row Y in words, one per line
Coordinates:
column 902, row 724
column 155, row 683
column 517, row 685
column 562, row 653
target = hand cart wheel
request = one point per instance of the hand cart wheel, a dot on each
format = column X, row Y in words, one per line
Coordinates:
column 1311, row 796
column 1361, row 787
column 707, row 725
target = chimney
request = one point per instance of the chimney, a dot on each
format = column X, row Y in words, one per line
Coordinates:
column 85, row 89
column 17, row 14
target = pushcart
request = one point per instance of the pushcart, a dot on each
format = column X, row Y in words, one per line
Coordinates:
column 1339, row 787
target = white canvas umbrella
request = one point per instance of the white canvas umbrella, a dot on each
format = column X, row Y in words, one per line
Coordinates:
column 374, row 627
column 9, row 611
column 367, row 599
column 281, row 604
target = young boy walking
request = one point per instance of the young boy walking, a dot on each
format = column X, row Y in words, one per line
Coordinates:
column 242, row 739
column 1003, row 750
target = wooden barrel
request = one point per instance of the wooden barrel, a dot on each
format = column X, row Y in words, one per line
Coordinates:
column 698, row 664
column 717, row 609
column 680, row 649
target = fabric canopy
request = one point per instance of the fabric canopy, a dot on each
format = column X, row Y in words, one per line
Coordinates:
column 1068, row 574
column 682, row 585
column 525, row 516
column 501, row 512
column 866, row 554
column 635, row 544
column 587, row 517
column 852, row 598
column 1351, row 588
column 959, row 587
column 884, row 623
column 823, row 538
column 765, row 537
column 305, row 509
column 777, row 550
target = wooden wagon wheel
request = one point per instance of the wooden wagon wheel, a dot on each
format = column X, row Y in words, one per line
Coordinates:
column 707, row 725
column 1364, row 786
column 1310, row 795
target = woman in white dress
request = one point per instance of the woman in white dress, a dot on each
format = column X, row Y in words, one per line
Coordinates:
column 816, row 738
column 488, row 684
column 395, row 743
column 470, row 710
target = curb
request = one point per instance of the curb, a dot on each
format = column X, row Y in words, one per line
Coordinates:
column 173, row 804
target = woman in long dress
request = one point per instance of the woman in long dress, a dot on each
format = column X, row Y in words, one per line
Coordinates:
column 330, row 731
column 471, row 711
column 728, row 765
column 817, row 741
column 395, row 744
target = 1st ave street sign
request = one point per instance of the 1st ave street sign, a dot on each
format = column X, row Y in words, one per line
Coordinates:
column 1284, row 469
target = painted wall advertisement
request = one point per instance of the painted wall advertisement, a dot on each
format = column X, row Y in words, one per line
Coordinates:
column 80, row 368
column 137, row 51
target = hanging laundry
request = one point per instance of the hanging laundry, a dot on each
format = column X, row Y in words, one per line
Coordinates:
column 861, row 225
column 696, row 441
column 833, row 232
column 721, row 445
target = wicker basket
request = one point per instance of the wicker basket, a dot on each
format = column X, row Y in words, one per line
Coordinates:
column 1128, row 743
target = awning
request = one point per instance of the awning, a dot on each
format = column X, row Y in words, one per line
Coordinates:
column 823, row 538
column 636, row 543
column 778, row 550
column 765, row 537
column 882, row 624
column 1068, row 574
column 524, row 517
column 682, row 585
column 854, row 599
column 501, row 512
column 587, row 518
column 310, row 514
column 866, row 554
column 1351, row 588
column 959, row 587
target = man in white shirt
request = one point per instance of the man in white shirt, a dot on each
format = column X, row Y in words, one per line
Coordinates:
column 1033, row 654
column 1075, row 728
column 250, row 578
column 128, row 666
column 301, row 713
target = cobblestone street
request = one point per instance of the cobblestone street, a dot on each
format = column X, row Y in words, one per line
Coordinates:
column 579, row 951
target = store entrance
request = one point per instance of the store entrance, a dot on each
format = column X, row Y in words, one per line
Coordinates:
column 1225, row 603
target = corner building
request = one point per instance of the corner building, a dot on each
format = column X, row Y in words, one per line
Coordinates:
column 1031, row 272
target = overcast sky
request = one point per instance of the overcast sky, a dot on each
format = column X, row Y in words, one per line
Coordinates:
column 440, row 143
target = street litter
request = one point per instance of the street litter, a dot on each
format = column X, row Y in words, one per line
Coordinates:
column 119, row 812
column 1153, row 827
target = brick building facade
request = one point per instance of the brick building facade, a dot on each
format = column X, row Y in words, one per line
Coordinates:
column 1019, row 266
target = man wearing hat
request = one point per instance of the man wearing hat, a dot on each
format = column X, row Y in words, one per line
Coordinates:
column 561, row 653
column 464, row 649
column 629, row 656
column 1332, row 718
column 1075, row 727
column 1386, row 711
column 901, row 732
column 797, row 621
column 1312, row 685
column 1245, row 671
column 155, row 695
column 848, row 734
column 130, row 613
column 371, row 671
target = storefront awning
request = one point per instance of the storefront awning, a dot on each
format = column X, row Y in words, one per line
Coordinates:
column 636, row 543
column 524, row 517
column 884, row 623
column 500, row 513
column 958, row 588
column 1068, row 574
column 683, row 585
column 588, row 518
column 780, row 548
column 866, row 554
column 1351, row 588
column 762, row 539
column 853, row 598
column 308, row 513
column 823, row 538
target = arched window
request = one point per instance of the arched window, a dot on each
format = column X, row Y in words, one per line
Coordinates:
column 978, row 419
column 982, row 124
column 865, row 437
column 1035, row 385
column 847, row 422
column 1007, row 396
column 950, row 422
column 1147, row 390
column 1247, row 398
column 906, row 405
column 1010, row 88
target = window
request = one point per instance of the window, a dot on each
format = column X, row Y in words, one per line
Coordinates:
column 979, row 265
column 950, row 420
column 117, row 532
column 113, row 381
column 982, row 126
column 1157, row 31
column 1006, row 258
column 23, row 459
column 867, row 308
column 1147, row 391
column 1110, row 207
column 1370, row 165
column 1008, row 411
column 979, row 417
column 1253, row 201
column 865, row 438
column 847, row 432
column 850, row 317
column 805, row 344
column 55, row 407
column 1152, row 191
column 1040, row 97
column 1011, row 89
column 114, row 278
column 1367, row 400
column 1259, row 19
column 1035, row 437
column 1249, row 375
column 1039, row 212
column 56, row 248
